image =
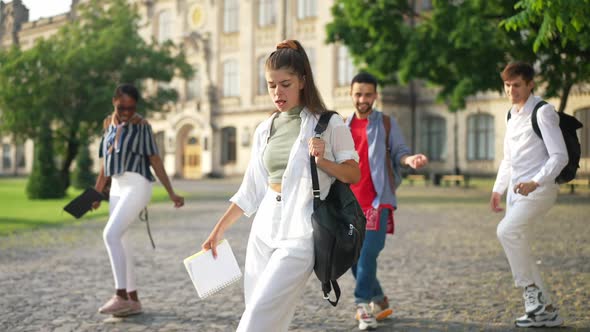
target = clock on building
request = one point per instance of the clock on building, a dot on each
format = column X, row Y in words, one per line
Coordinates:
column 196, row 16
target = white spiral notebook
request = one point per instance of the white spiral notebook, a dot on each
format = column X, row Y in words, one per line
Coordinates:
column 209, row 274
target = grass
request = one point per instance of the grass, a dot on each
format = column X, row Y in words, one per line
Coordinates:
column 18, row 213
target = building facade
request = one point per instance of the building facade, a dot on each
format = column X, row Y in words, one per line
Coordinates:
column 208, row 132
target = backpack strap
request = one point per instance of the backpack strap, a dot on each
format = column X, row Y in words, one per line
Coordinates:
column 327, row 288
column 387, row 125
column 319, row 129
column 533, row 118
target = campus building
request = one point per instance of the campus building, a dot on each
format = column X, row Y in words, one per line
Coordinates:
column 208, row 132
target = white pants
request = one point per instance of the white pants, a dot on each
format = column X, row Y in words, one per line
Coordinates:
column 513, row 232
column 275, row 273
column 130, row 193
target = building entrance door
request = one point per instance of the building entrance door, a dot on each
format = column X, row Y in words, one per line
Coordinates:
column 192, row 159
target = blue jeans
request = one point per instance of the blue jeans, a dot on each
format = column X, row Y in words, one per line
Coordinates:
column 365, row 271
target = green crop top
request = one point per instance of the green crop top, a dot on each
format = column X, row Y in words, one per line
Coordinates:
column 283, row 133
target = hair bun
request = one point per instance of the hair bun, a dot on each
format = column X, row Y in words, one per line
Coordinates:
column 287, row 43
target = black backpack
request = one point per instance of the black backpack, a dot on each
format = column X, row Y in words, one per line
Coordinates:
column 568, row 125
column 338, row 227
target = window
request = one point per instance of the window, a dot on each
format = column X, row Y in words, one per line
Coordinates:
column 159, row 137
column 306, row 8
column 228, row 148
column 165, row 25
column 262, row 88
column 6, row 160
column 345, row 67
column 20, row 156
column 231, row 16
column 246, row 137
column 231, row 79
column 193, row 88
column 433, row 137
column 480, row 137
column 266, row 12
column 584, row 132
column 311, row 56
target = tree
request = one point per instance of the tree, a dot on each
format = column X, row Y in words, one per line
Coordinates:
column 375, row 32
column 562, row 21
column 460, row 47
column 44, row 181
column 70, row 76
column 560, row 33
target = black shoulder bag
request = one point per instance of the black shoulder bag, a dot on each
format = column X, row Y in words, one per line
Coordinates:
column 338, row 227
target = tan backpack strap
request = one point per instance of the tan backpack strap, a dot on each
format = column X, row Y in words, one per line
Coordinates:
column 106, row 122
column 387, row 125
column 388, row 164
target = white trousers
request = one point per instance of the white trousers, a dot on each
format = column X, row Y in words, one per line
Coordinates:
column 275, row 273
column 514, row 231
column 130, row 193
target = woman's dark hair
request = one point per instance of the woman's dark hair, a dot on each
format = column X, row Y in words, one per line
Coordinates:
column 128, row 90
column 291, row 56
column 518, row 68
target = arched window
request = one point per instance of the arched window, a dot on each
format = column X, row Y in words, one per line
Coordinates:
column 228, row 145
column 345, row 67
column 433, row 137
column 165, row 25
column 231, row 78
column 266, row 12
column 193, row 87
column 231, row 16
column 480, row 137
column 584, row 133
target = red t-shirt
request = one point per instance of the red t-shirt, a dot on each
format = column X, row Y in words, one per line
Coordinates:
column 364, row 190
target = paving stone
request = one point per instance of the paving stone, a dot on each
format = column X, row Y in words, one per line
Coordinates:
column 443, row 270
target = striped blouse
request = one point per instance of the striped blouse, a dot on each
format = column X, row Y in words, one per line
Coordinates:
column 136, row 144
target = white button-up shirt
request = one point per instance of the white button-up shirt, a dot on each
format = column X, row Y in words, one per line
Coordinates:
column 296, row 185
column 528, row 157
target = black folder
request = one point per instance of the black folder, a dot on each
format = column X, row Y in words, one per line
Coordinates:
column 81, row 204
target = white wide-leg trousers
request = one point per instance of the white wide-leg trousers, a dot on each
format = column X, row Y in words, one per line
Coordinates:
column 275, row 273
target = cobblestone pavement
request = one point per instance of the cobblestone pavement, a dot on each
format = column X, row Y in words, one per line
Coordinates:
column 443, row 270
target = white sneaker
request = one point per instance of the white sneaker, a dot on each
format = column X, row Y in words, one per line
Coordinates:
column 365, row 317
column 534, row 301
column 546, row 319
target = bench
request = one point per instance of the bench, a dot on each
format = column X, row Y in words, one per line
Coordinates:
column 578, row 182
column 416, row 177
column 458, row 179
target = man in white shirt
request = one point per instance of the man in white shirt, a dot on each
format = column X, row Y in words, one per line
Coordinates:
column 528, row 170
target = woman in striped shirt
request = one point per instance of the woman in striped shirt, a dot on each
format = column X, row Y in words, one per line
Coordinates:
column 128, row 149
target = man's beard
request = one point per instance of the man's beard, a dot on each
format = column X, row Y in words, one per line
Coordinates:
column 367, row 110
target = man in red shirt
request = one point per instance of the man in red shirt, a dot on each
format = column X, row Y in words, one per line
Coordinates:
column 382, row 151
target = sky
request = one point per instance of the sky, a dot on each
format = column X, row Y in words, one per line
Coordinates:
column 46, row 8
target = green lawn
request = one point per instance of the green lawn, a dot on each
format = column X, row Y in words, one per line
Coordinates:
column 17, row 213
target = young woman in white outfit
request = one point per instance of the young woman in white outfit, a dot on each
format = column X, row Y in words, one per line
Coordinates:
column 128, row 149
column 277, row 186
